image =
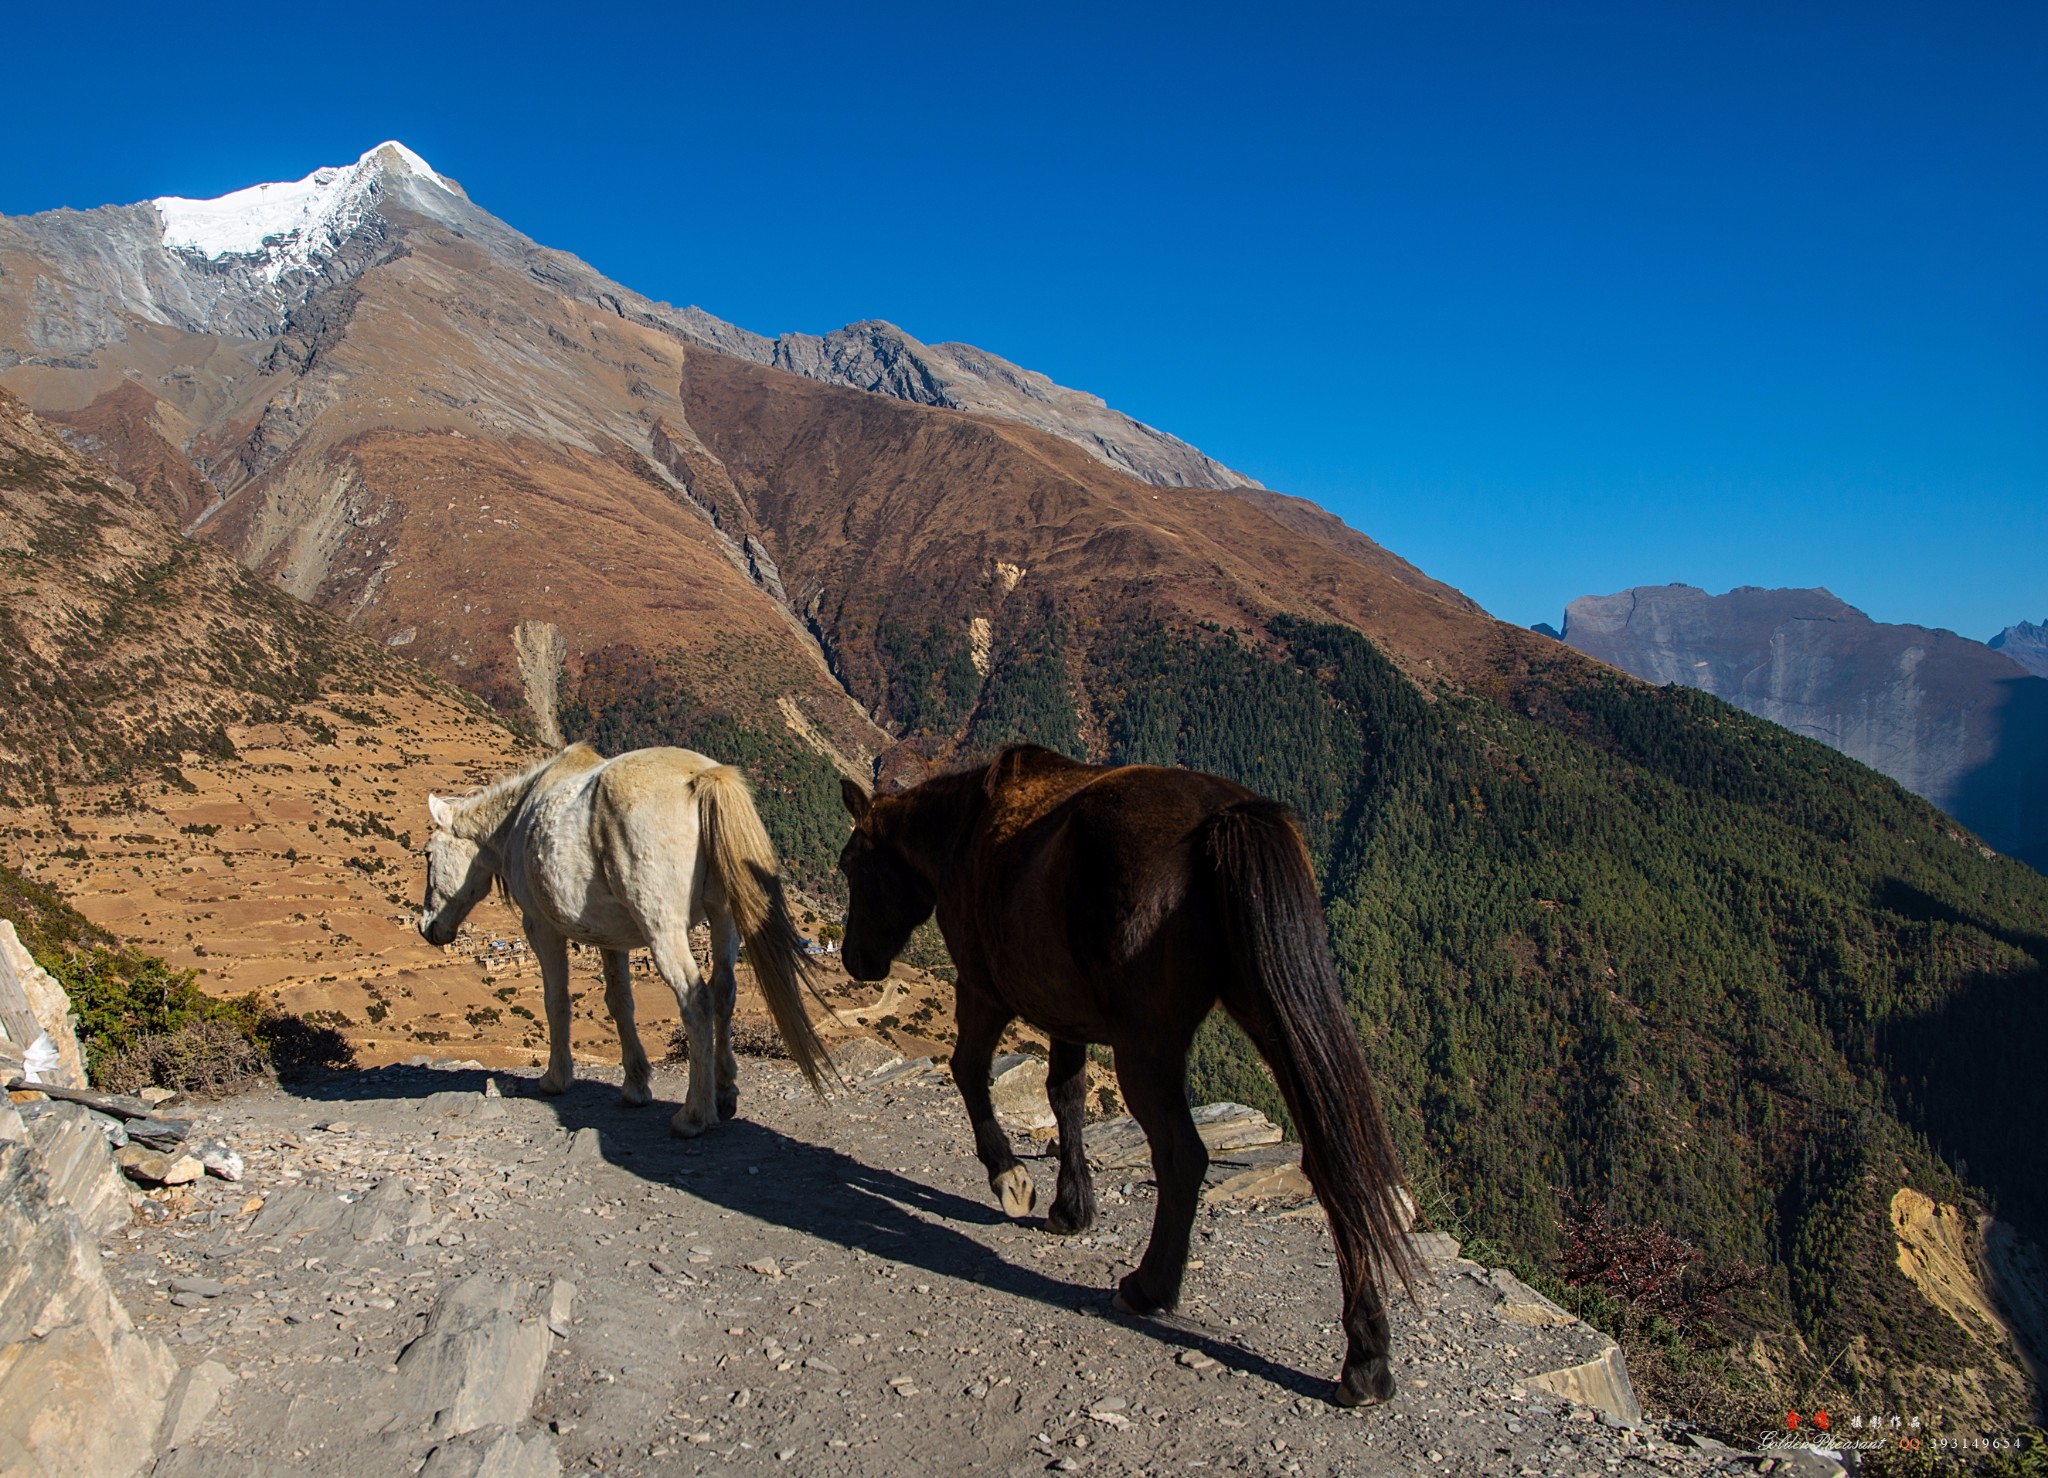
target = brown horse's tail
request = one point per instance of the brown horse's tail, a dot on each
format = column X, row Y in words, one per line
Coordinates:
column 1286, row 995
column 742, row 859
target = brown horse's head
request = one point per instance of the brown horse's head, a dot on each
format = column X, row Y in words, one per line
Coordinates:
column 886, row 899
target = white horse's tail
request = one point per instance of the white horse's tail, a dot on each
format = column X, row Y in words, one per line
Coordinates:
column 743, row 860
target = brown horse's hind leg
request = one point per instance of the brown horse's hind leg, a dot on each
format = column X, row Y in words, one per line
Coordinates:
column 1368, row 1337
column 1155, row 1086
column 1368, row 1377
column 1066, row 1085
column 981, row 1021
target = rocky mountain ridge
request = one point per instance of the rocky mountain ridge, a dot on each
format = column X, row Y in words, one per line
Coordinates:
column 253, row 263
column 881, row 357
column 2026, row 643
column 1952, row 720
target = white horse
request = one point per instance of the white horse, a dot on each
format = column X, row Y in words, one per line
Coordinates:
column 620, row 854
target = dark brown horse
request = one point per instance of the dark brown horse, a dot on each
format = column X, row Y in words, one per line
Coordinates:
column 1118, row 906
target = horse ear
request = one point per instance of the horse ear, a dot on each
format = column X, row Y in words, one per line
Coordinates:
column 855, row 799
column 441, row 811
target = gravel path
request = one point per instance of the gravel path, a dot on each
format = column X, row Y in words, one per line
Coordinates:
column 443, row 1280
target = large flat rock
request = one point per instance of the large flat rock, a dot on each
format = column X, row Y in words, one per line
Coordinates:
column 81, row 1390
column 479, row 1361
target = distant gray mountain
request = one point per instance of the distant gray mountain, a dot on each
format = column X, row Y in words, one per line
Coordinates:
column 2026, row 644
column 1950, row 719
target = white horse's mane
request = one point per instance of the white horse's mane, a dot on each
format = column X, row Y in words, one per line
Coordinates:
column 490, row 804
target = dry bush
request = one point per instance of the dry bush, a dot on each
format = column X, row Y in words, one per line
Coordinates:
column 214, row 1057
column 1654, row 1273
column 204, row 1057
column 297, row 1045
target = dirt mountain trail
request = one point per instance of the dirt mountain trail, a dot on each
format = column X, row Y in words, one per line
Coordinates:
column 429, row 1269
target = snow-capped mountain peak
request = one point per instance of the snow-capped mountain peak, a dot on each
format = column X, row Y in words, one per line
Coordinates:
column 289, row 225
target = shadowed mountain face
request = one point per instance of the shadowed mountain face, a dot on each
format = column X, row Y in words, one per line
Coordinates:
column 1948, row 718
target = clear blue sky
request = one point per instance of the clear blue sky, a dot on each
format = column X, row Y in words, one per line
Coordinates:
column 1550, row 299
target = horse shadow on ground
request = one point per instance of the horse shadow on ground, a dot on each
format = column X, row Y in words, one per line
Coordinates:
column 746, row 1167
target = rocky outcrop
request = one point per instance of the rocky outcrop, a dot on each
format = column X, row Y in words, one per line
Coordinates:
column 1948, row 718
column 81, row 1392
column 71, row 1146
column 882, row 358
column 36, row 1036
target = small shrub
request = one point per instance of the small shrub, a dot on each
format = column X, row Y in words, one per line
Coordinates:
column 297, row 1047
column 123, row 996
column 1654, row 1273
column 201, row 1057
column 146, row 1023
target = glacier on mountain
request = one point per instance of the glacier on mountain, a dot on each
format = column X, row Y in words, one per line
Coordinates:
column 289, row 224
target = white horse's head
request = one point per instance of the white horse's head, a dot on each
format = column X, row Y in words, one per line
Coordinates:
column 459, row 873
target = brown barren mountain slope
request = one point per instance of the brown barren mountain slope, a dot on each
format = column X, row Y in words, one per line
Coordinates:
column 216, row 772
column 138, row 436
column 478, row 448
column 877, row 510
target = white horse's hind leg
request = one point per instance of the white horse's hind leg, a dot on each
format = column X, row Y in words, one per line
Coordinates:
column 552, row 952
column 678, row 967
column 725, row 988
column 618, row 999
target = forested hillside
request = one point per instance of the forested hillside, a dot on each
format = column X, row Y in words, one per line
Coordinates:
column 1633, row 946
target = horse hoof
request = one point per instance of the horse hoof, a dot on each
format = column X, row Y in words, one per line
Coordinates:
column 1364, row 1385
column 1013, row 1187
column 635, row 1095
column 1128, row 1299
column 552, row 1085
column 728, row 1104
column 1063, row 1223
column 685, row 1125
